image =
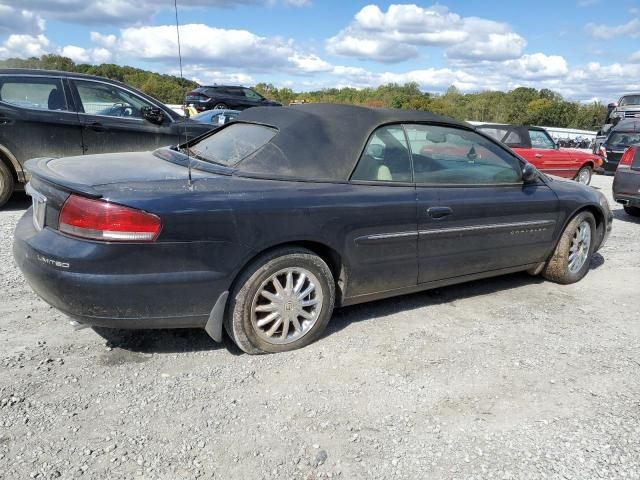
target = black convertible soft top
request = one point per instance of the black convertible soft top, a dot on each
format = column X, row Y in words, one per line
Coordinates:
column 321, row 141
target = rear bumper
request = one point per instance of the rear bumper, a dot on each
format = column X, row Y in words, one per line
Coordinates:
column 609, row 167
column 147, row 285
column 626, row 187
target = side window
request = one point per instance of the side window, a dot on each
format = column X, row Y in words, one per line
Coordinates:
column 385, row 158
column 451, row 156
column 33, row 92
column 513, row 138
column 540, row 139
column 251, row 95
column 495, row 133
column 104, row 99
column 236, row 92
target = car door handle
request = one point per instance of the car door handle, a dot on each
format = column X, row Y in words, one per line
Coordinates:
column 439, row 212
column 538, row 155
column 96, row 127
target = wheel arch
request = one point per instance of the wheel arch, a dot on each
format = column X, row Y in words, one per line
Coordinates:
column 590, row 162
column 599, row 216
column 12, row 163
column 330, row 255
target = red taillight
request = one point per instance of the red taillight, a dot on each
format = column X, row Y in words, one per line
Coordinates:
column 627, row 157
column 100, row 220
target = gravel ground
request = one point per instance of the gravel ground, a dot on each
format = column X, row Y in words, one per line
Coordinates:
column 512, row 377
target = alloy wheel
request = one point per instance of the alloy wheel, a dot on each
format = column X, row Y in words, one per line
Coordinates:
column 584, row 176
column 580, row 245
column 286, row 306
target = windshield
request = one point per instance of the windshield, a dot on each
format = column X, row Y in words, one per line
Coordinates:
column 624, row 139
column 229, row 145
column 630, row 100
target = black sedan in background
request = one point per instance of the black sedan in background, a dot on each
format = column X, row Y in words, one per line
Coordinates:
column 291, row 212
column 63, row 114
column 626, row 183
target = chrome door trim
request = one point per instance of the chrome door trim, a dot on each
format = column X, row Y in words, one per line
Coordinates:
column 513, row 228
column 365, row 239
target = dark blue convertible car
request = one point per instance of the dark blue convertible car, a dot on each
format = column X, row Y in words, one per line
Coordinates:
column 266, row 224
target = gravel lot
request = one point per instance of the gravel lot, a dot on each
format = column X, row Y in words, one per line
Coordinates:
column 512, row 377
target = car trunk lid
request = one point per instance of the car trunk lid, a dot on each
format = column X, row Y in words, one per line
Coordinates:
column 83, row 174
column 101, row 176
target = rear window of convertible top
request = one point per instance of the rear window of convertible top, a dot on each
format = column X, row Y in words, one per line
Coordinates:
column 231, row 144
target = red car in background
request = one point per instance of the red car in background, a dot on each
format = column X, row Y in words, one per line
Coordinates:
column 536, row 146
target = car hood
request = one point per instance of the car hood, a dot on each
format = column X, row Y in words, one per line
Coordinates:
column 570, row 189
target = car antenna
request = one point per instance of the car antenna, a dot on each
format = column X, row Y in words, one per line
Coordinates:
column 186, row 137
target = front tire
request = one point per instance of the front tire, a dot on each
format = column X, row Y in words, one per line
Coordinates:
column 282, row 301
column 572, row 256
column 7, row 184
column 584, row 175
column 633, row 211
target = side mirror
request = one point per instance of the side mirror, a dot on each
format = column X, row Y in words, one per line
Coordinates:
column 529, row 173
column 153, row 115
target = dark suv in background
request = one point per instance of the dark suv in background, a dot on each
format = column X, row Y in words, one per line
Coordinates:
column 62, row 114
column 620, row 137
column 226, row 97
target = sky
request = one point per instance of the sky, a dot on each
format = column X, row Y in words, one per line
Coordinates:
column 586, row 50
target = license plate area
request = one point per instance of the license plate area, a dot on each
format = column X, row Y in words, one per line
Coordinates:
column 39, row 203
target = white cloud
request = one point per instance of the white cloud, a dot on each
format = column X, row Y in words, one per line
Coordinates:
column 199, row 43
column 24, row 46
column 87, row 55
column 605, row 32
column 309, row 63
column 204, row 75
column 635, row 57
column 14, row 20
column 487, row 40
column 127, row 12
column 537, row 66
column 396, row 35
column 227, row 49
column 105, row 41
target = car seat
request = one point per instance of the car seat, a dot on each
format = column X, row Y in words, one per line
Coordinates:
column 56, row 100
column 375, row 169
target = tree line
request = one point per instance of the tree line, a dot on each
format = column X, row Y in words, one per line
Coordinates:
column 522, row 105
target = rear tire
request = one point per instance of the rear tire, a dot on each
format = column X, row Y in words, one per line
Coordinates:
column 633, row 211
column 572, row 256
column 584, row 175
column 282, row 301
column 7, row 184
